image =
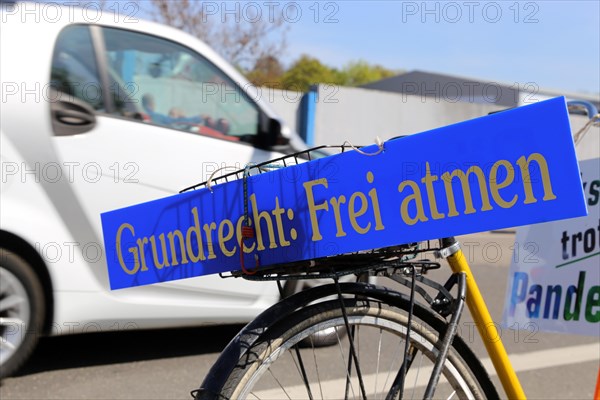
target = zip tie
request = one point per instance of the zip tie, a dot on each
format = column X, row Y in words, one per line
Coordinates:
column 378, row 142
column 212, row 176
column 594, row 120
column 269, row 167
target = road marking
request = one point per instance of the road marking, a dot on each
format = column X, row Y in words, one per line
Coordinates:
column 522, row 362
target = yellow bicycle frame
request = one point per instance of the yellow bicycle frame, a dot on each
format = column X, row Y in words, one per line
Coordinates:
column 487, row 329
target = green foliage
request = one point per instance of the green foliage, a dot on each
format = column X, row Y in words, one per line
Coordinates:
column 308, row 71
column 360, row 72
column 267, row 72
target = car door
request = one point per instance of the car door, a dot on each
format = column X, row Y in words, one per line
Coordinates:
column 162, row 118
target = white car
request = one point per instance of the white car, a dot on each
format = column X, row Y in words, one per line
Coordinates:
column 98, row 114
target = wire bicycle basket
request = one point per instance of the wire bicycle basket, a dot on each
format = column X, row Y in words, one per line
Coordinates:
column 337, row 265
column 266, row 166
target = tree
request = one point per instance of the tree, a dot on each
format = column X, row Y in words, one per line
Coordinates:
column 360, row 72
column 242, row 34
column 307, row 71
column 267, row 71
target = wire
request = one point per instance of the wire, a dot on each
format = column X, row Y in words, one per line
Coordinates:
column 378, row 142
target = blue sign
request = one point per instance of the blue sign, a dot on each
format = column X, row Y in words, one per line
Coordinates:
column 512, row 168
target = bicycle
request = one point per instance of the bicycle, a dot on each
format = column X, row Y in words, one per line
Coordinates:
column 352, row 310
column 428, row 358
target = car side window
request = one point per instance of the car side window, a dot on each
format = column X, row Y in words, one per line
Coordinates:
column 74, row 69
column 170, row 85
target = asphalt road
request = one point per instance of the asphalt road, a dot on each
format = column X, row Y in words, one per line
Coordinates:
column 170, row 363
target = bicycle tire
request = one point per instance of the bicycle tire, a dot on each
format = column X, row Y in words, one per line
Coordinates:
column 263, row 370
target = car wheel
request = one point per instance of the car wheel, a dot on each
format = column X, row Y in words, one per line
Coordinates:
column 21, row 311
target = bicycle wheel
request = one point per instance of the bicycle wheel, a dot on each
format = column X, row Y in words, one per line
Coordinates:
column 275, row 367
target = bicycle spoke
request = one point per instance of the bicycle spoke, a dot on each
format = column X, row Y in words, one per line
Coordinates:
column 279, row 383
column 303, row 372
column 417, row 375
column 300, row 368
column 340, row 346
column 349, row 368
column 402, row 372
column 312, row 345
column 350, row 340
column 378, row 358
column 394, row 358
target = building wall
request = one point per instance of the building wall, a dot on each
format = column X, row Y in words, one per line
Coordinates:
column 359, row 115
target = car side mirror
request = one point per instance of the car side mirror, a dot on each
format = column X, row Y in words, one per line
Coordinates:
column 270, row 133
column 276, row 133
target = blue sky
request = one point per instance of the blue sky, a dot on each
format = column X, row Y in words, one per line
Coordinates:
column 550, row 44
column 553, row 44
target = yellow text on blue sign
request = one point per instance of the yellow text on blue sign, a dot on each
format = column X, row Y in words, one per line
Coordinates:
column 512, row 168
